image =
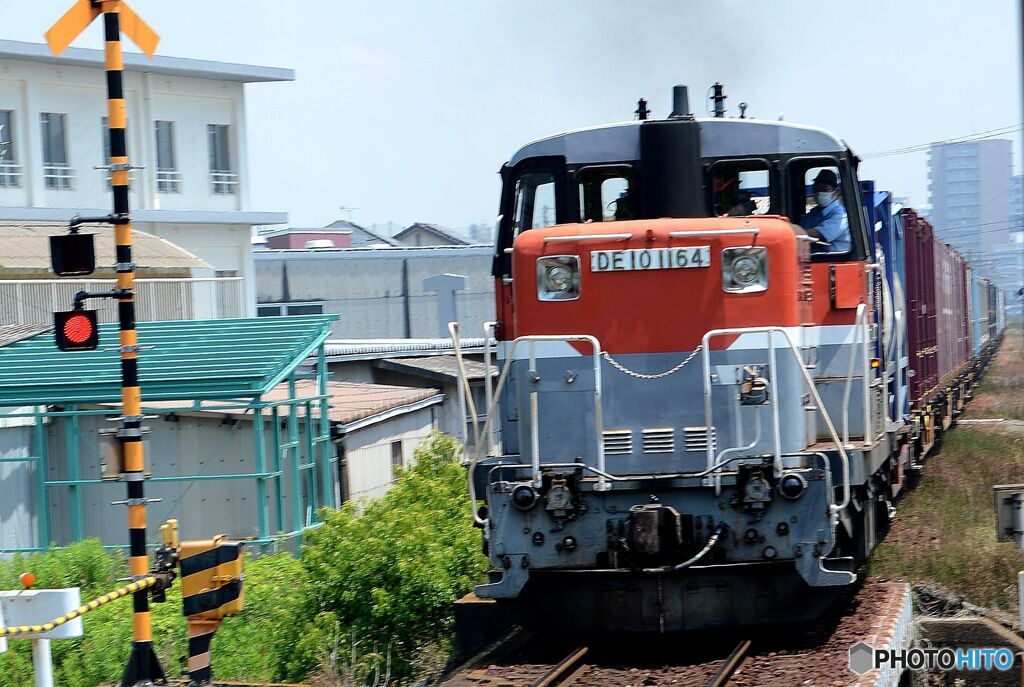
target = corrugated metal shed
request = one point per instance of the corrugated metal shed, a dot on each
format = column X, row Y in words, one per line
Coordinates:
column 25, row 249
column 278, row 473
column 186, row 360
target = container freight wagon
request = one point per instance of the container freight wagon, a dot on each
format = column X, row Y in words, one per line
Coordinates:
column 922, row 340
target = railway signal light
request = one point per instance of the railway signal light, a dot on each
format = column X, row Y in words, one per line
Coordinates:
column 72, row 254
column 76, row 330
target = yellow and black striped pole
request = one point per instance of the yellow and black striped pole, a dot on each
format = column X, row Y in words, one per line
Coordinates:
column 143, row 666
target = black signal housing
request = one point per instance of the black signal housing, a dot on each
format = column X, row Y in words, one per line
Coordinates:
column 72, row 254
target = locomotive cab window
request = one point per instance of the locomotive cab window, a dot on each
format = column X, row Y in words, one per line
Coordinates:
column 740, row 188
column 821, row 195
column 606, row 193
column 534, row 201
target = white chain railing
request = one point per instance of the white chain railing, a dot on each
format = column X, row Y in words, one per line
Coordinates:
column 640, row 375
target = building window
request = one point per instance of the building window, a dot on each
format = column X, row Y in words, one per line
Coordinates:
column 10, row 170
column 223, row 181
column 57, row 173
column 397, row 457
column 168, row 178
column 268, row 310
column 277, row 309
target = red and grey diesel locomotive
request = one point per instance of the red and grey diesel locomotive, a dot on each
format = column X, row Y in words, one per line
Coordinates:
column 704, row 411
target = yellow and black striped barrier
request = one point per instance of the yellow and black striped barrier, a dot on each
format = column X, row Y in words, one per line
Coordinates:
column 138, row 585
column 211, row 589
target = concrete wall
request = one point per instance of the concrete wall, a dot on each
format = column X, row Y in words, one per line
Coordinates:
column 367, row 288
column 226, row 247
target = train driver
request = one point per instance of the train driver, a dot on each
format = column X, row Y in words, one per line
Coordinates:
column 827, row 220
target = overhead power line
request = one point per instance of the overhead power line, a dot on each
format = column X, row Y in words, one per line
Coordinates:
column 991, row 133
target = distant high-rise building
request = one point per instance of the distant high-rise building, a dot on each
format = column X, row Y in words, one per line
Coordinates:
column 1017, row 203
column 970, row 190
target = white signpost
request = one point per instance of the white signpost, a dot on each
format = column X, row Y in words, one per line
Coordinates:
column 36, row 607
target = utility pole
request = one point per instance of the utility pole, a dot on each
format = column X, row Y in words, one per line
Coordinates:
column 143, row 666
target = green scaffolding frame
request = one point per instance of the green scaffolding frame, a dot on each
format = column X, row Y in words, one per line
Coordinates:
column 186, row 366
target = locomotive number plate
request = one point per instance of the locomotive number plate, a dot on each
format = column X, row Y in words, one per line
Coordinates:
column 649, row 259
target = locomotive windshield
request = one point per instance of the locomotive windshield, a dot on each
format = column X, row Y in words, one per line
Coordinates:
column 534, row 201
column 668, row 169
column 606, row 193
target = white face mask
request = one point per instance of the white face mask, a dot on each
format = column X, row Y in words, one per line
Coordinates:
column 823, row 198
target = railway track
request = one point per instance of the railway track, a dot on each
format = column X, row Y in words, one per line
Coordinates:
column 779, row 656
column 529, row 661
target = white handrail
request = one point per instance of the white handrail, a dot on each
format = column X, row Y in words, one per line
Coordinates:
column 587, row 237
column 715, row 232
column 808, row 380
column 492, row 436
column 603, row 483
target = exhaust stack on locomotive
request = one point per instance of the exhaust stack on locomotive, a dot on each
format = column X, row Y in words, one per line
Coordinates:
column 695, row 401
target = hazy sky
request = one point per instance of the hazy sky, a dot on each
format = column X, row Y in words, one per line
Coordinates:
column 406, row 109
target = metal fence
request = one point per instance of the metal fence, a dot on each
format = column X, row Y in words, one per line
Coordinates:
column 33, row 301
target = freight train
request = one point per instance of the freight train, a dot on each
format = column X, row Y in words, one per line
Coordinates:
column 703, row 411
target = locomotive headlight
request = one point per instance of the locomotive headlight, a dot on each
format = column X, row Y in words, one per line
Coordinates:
column 524, row 497
column 792, row 485
column 558, row 278
column 745, row 270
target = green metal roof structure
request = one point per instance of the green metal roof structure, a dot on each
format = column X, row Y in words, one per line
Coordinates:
column 232, row 363
column 178, row 361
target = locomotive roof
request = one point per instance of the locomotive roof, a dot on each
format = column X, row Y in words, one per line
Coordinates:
column 718, row 138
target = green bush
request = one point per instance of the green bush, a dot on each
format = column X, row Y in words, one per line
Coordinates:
column 256, row 645
column 374, row 586
column 387, row 571
column 100, row 654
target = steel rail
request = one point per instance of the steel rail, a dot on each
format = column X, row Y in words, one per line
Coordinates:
column 731, row 664
column 565, row 669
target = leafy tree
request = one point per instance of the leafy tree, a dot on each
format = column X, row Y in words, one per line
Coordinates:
column 389, row 570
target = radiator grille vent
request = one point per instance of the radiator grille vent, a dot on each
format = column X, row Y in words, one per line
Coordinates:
column 660, row 440
column 618, row 442
column 697, row 438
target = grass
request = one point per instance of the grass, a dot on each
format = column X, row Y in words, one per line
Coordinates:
column 945, row 529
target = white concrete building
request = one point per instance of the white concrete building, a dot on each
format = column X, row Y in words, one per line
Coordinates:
column 186, row 132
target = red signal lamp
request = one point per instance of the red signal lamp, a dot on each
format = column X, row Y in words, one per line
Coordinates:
column 76, row 330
